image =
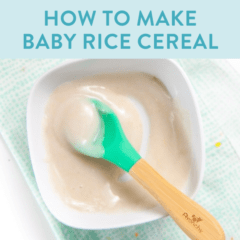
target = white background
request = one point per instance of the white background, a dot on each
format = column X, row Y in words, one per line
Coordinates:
column 20, row 215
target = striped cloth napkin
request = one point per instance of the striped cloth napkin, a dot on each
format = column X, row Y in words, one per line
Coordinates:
column 218, row 89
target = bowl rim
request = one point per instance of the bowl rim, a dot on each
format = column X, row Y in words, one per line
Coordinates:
column 199, row 123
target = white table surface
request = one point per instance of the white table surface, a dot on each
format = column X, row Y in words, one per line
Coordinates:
column 20, row 215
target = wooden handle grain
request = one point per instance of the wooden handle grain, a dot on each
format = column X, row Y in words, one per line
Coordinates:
column 193, row 219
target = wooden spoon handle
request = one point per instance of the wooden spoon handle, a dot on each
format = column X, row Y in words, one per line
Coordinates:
column 193, row 219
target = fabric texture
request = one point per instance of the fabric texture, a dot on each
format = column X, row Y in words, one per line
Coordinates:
column 217, row 86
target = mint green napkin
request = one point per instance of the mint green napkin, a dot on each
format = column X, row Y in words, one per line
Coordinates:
column 218, row 89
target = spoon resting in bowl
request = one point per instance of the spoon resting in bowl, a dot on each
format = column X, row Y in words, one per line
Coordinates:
column 110, row 143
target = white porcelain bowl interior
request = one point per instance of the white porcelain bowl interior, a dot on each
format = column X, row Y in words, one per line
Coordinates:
column 178, row 86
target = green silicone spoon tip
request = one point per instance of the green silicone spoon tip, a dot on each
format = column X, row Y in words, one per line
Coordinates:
column 117, row 149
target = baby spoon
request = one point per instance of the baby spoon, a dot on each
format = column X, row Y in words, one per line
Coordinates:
column 193, row 219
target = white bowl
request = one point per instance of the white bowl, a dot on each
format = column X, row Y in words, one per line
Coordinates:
column 179, row 87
